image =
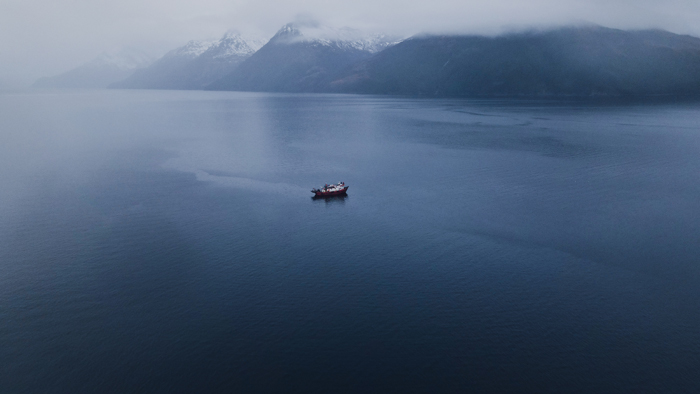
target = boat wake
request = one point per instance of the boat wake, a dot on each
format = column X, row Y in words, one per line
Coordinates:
column 223, row 179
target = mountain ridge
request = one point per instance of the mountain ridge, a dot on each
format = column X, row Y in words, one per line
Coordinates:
column 574, row 61
column 99, row 72
column 301, row 58
column 194, row 65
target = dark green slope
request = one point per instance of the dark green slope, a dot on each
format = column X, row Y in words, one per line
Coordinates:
column 573, row 61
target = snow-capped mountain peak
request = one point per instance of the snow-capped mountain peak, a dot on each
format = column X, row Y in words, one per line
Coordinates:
column 328, row 36
column 234, row 44
column 196, row 64
column 192, row 49
column 287, row 34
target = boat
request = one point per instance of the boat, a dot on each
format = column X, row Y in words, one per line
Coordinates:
column 327, row 190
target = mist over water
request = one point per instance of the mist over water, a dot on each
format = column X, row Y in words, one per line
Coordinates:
column 166, row 241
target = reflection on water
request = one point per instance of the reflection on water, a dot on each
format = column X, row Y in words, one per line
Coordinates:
column 331, row 199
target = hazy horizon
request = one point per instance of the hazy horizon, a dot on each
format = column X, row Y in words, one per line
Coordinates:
column 40, row 38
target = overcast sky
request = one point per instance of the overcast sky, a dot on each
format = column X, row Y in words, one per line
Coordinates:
column 46, row 37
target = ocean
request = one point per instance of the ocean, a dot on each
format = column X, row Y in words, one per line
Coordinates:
column 167, row 242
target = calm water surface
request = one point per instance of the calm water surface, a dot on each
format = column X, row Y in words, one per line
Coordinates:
column 166, row 242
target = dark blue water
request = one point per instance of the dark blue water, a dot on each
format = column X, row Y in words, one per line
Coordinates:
column 167, row 242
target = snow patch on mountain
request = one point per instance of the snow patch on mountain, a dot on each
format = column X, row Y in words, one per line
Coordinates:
column 233, row 44
column 375, row 42
column 345, row 38
column 191, row 50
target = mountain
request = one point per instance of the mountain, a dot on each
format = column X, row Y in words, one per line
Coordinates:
column 302, row 59
column 576, row 61
column 98, row 73
column 194, row 65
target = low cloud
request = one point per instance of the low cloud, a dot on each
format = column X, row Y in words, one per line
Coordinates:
column 45, row 37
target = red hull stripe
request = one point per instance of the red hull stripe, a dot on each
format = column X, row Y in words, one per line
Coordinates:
column 336, row 193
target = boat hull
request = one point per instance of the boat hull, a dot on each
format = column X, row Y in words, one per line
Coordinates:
column 341, row 192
